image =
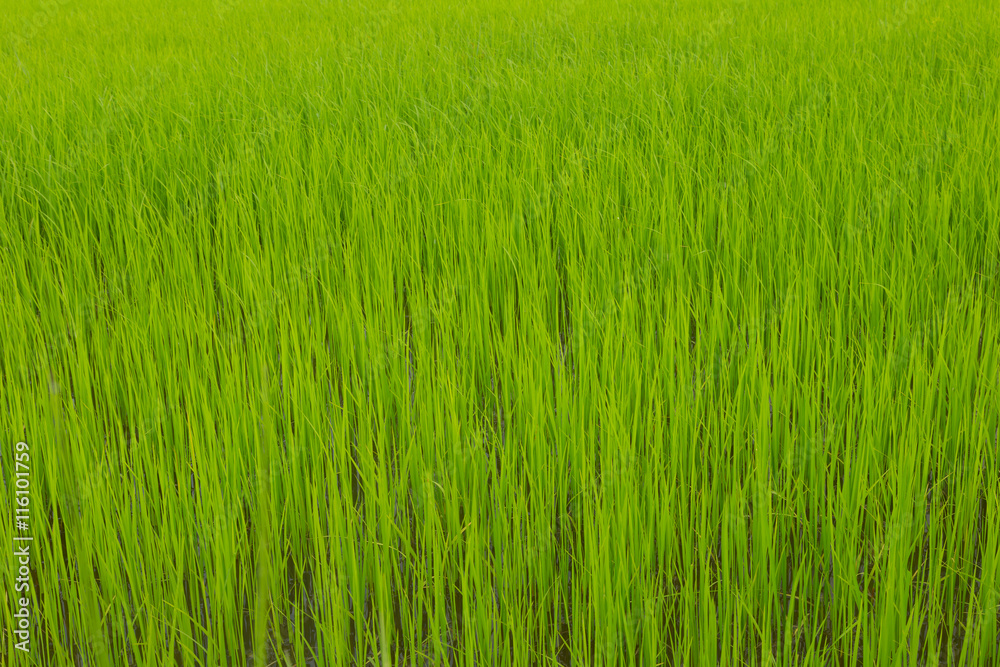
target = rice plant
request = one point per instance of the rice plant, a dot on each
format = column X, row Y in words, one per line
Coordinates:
column 500, row 333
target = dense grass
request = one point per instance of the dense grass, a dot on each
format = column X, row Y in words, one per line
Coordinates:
column 592, row 334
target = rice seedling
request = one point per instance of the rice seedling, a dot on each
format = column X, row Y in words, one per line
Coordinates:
column 490, row 333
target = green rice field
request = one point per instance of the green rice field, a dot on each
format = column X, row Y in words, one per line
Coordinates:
column 499, row 333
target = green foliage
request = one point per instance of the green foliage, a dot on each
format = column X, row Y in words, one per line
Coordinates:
column 503, row 333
